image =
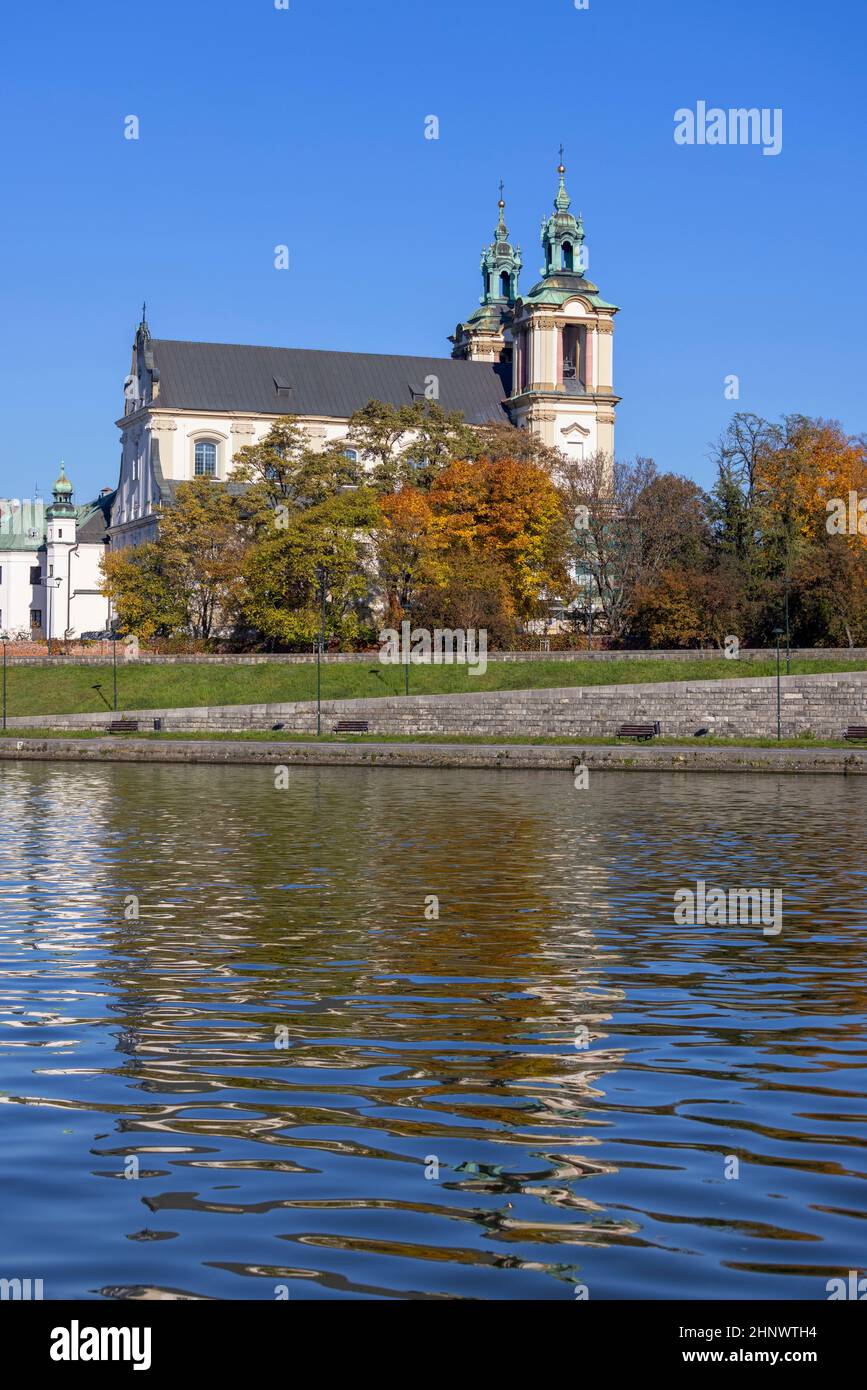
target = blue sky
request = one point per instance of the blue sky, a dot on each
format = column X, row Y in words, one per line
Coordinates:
column 305, row 126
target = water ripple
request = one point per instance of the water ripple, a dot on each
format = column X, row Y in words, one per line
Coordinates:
column 240, row 1058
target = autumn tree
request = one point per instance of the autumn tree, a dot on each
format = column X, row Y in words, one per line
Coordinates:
column 831, row 588
column 470, row 592
column 510, row 514
column 284, row 471
column 404, row 547
column 189, row 580
column 143, row 595
column 410, row 444
column 600, row 499
column 504, row 441
column 204, row 542
column 310, row 521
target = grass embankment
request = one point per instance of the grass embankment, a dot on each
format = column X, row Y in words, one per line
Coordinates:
column 263, row 736
column 38, row 690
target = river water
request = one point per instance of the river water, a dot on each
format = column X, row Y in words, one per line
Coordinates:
column 339, row 1051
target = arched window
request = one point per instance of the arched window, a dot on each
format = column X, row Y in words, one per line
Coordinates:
column 351, row 454
column 568, row 257
column 206, row 459
column 505, row 284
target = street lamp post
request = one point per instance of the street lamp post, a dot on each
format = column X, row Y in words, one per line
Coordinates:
column 114, row 663
column 4, row 685
column 52, row 584
column 406, row 578
column 321, row 573
column 778, row 632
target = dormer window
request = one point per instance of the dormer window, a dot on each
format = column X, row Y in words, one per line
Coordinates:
column 206, row 459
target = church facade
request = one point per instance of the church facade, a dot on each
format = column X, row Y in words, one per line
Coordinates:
column 541, row 360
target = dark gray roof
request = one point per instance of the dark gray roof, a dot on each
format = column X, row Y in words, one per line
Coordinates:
column 221, row 376
column 94, row 518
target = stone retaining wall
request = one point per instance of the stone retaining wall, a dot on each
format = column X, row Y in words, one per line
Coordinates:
column 822, row 705
column 480, row 756
column 25, row 655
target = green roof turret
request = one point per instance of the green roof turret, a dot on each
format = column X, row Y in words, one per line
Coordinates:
column 62, row 487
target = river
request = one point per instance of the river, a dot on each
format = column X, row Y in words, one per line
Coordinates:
column 422, row 1034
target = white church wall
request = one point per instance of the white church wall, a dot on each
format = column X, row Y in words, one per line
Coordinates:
column 17, row 595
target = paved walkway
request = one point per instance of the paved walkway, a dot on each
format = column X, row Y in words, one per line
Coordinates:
column 488, row 756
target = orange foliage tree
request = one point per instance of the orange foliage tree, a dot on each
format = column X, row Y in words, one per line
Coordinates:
column 508, row 513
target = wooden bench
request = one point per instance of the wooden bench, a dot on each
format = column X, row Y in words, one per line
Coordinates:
column 639, row 731
column 856, row 733
column 123, row 726
column 353, row 726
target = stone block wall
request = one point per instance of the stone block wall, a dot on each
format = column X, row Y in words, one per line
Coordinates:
column 822, row 705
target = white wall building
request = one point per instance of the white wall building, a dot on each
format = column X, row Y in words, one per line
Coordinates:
column 50, row 564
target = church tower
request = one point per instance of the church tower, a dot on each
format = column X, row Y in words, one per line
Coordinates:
column 486, row 335
column 563, row 330
column 60, row 538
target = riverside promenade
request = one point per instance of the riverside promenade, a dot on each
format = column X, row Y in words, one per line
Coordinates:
column 817, row 706
column 480, row 756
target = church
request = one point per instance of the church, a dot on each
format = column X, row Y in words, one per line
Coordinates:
column 542, row 361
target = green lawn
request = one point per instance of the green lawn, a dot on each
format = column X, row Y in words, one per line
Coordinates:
column 37, row 690
column 262, row 736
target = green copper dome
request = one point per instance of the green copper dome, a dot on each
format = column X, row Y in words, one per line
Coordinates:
column 62, row 487
column 564, row 272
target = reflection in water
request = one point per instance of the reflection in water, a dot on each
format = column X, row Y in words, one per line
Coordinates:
column 323, row 1089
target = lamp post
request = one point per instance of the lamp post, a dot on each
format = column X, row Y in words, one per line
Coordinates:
column 778, row 632
column 114, row 663
column 322, row 576
column 4, row 685
column 52, row 584
column 406, row 578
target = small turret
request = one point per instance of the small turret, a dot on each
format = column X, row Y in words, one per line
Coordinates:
column 485, row 336
column 61, row 491
column 563, row 235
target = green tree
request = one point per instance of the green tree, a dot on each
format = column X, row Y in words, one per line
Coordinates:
column 203, row 540
column 410, row 444
column 189, row 579
column 142, row 594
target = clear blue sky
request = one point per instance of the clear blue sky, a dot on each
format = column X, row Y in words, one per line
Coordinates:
column 306, row 127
